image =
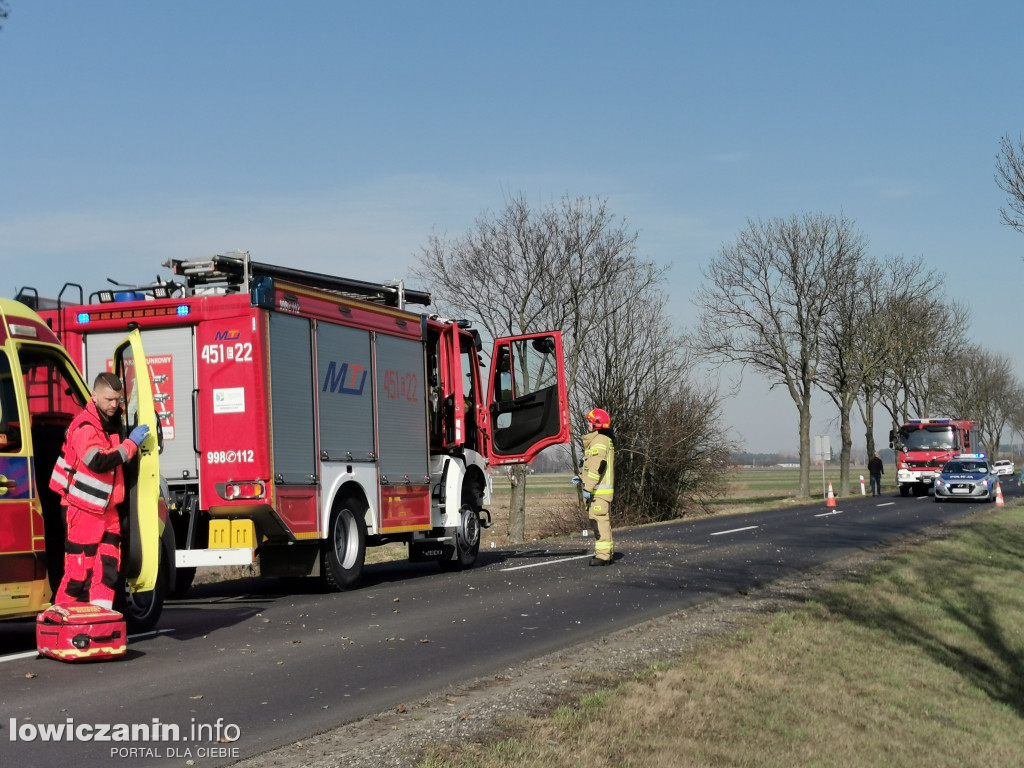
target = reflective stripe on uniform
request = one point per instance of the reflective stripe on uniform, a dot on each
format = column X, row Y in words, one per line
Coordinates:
column 60, row 478
column 89, row 492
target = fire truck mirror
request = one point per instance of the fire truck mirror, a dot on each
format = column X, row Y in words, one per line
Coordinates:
column 545, row 345
column 504, row 362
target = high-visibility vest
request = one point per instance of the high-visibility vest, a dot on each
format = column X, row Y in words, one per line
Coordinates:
column 78, row 485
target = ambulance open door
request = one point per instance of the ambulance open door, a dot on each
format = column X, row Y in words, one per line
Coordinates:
column 141, row 531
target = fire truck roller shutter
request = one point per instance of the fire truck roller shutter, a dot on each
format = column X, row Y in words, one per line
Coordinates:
column 401, row 410
column 291, row 400
column 345, row 391
column 172, row 366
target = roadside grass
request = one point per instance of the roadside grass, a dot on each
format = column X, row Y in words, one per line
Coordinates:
column 919, row 661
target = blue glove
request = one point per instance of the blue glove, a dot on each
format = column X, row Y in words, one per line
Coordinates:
column 575, row 479
column 139, row 434
column 586, row 495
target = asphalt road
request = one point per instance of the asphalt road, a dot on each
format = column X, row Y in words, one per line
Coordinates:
column 260, row 664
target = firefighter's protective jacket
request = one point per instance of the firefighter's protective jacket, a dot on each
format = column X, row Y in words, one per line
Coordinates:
column 598, row 473
column 89, row 472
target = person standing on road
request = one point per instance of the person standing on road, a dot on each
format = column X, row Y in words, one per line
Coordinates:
column 598, row 478
column 89, row 477
column 876, row 470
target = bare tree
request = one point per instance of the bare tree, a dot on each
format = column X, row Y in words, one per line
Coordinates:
column 671, row 452
column 568, row 266
column 848, row 357
column 1010, row 178
column 896, row 293
column 930, row 328
column 769, row 294
column 1016, row 419
column 982, row 387
column 3, row 11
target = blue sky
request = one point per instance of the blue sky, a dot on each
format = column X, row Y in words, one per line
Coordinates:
column 337, row 136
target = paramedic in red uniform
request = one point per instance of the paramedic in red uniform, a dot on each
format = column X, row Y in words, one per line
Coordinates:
column 89, row 477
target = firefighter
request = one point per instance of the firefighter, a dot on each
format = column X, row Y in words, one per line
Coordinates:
column 598, row 479
column 89, row 477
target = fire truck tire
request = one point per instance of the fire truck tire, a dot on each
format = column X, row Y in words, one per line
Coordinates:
column 904, row 490
column 467, row 541
column 344, row 550
column 142, row 610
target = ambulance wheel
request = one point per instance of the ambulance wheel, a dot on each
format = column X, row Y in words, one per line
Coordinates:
column 344, row 549
column 142, row 609
column 467, row 541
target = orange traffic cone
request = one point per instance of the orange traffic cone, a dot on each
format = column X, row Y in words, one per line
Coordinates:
column 999, row 494
column 831, row 501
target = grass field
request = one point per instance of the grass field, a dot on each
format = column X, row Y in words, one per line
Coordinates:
column 920, row 662
column 749, row 490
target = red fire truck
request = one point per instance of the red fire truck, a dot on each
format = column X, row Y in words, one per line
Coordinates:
column 922, row 446
column 305, row 417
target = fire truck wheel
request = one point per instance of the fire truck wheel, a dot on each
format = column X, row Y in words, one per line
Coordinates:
column 467, row 541
column 142, row 609
column 344, row 549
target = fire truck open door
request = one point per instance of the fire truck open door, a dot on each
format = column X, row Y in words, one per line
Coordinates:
column 529, row 407
column 141, row 531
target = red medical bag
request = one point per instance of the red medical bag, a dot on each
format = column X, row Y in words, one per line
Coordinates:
column 81, row 632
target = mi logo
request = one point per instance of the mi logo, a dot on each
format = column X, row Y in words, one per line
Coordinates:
column 227, row 335
column 346, row 379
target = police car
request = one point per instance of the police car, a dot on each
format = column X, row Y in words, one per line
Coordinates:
column 966, row 476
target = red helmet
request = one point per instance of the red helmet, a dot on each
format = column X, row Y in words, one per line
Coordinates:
column 599, row 418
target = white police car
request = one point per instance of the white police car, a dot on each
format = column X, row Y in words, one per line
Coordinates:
column 966, row 476
column 1003, row 467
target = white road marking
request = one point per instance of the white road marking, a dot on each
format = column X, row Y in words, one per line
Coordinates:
column 546, row 562
column 829, row 514
column 887, row 504
column 736, row 530
column 33, row 654
column 16, row 656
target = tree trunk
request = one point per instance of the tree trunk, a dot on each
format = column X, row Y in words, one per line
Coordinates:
column 846, row 438
column 869, row 422
column 517, row 505
column 805, row 445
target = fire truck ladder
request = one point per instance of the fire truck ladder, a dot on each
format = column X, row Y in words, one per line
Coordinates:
column 235, row 272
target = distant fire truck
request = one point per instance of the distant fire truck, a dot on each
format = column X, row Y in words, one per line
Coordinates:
column 922, row 446
column 304, row 417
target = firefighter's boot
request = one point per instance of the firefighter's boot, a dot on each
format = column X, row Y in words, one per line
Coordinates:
column 600, row 521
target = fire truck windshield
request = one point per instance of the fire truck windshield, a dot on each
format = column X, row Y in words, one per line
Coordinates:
column 935, row 438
